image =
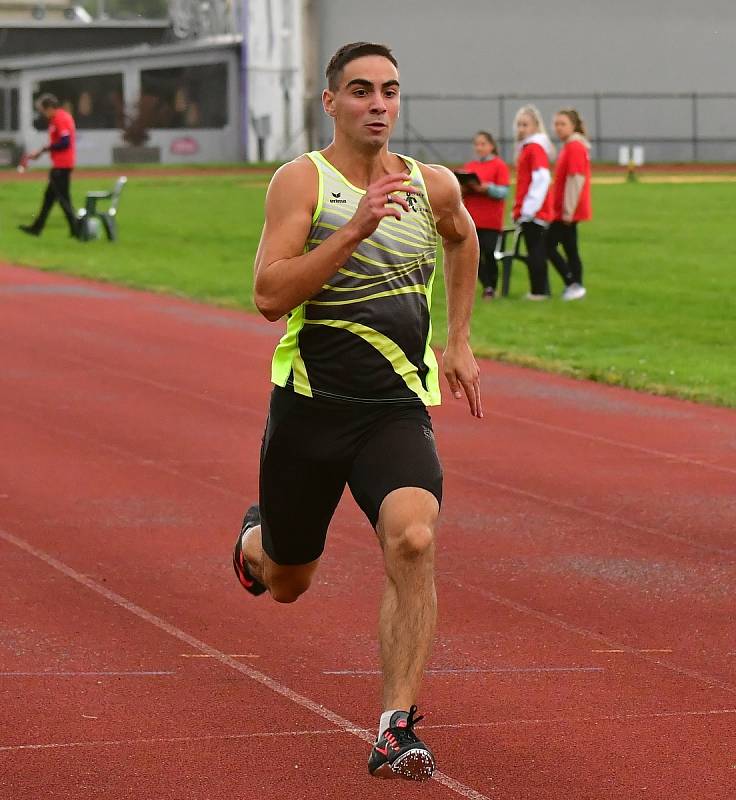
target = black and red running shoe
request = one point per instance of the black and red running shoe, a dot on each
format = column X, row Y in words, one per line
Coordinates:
column 399, row 753
column 249, row 583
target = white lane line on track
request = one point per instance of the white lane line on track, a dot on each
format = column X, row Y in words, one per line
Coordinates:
column 638, row 650
column 552, row 501
column 585, row 633
column 469, row 670
column 331, row 731
column 614, row 442
column 172, row 740
column 81, row 674
column 231, row 655
column 196, row 644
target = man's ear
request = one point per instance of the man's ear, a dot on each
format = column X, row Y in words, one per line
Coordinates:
column 328, row 103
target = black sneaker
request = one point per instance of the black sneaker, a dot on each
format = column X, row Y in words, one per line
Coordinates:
column 399, row 753
column 250, row 584
column 30, row 230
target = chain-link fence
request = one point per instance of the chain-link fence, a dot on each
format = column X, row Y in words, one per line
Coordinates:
column 671, row 127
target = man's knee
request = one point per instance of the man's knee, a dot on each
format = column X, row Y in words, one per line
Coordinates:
column 413, row 541
column 287, row 593
column 289, row 588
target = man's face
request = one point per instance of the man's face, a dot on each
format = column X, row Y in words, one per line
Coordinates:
column 365, row 105
column 48, row 112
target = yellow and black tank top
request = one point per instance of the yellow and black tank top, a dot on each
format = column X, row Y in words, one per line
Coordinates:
column 366, row 335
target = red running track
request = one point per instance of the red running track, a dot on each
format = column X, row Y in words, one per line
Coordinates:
column 586, row 575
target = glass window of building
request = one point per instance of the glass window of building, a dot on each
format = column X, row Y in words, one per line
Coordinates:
column 95, row 101
column 184, row 97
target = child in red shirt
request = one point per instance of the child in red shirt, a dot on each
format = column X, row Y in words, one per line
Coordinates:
column 533, row 204
column 571, row 201
column 485, row 203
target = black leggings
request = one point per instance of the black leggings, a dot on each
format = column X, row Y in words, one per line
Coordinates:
column 570, row 267
column 534, row 236
column 57, row 190
column 487, row 266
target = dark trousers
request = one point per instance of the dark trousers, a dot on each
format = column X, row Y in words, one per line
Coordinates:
column 487, row 266
column 57, row 190
column 534, row 238
column 570, row 266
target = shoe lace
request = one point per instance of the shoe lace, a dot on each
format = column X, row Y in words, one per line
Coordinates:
column 406, row 735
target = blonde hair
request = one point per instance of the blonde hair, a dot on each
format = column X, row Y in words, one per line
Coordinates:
column 536, row 116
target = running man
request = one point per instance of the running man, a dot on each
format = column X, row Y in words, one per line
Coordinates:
column 62, row 147
column 348, row 253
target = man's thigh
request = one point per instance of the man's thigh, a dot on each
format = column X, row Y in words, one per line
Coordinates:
column 301, row 481
column 398, row 453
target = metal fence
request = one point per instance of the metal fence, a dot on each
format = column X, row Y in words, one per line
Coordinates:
column 671, row 127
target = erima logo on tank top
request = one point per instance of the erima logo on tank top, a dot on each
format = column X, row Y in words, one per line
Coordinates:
column 365, row 336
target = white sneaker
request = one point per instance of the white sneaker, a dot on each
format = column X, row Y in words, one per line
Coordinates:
column 536, row 297
column 574, row 292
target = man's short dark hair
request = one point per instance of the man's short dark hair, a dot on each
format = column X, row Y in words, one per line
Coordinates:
column 47, row 101
column 348, row 53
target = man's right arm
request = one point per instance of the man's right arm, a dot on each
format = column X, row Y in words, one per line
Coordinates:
column 286, row 276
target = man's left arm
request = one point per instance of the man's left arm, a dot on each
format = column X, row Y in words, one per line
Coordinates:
column 64, row 143
column 460, row 246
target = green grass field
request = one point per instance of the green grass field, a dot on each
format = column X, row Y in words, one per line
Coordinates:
column 661, row 274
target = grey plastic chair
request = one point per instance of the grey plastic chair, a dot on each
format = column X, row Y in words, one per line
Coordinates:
column 90, row 213
column 508, row 250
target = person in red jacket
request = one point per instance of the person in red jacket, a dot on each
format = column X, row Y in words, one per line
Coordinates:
column 485, row 203
column 62, row 147
column 533, row 204
column 570, row 201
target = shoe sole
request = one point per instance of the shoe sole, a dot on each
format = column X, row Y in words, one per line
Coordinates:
column 414, row 765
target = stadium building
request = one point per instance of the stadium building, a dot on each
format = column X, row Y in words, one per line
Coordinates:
column 209, row 80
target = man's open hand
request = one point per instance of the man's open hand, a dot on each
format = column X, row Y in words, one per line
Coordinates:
column 463, row 374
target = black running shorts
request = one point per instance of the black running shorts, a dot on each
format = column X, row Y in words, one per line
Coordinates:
column 313, row 448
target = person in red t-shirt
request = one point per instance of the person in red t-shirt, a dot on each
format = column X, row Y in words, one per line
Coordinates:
column 571, row 201
column 62, row 147
column 533, row 204
column 485, row 203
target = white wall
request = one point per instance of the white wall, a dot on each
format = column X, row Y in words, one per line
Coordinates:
column 275, row 96
column 500, row 46
column 564, row 47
